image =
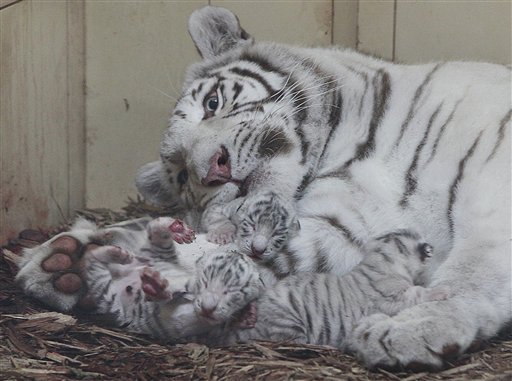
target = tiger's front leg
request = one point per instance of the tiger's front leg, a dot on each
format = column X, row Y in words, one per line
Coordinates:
column 427, row 335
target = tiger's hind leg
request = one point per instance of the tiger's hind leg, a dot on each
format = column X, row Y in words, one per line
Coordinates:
column 52, row 272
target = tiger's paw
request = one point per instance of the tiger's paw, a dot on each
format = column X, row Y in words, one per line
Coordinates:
column 164, row 231
column 154, row 286
column 248, row 316
column 109, row 254
column 52, row 272
column 223, row 234
column 412, row 340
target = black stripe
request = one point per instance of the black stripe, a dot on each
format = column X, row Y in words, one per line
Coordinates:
column 326, row 325
column 371, row 282
column 501, row 134
column 335, row 223
column 411, row 178
column 456, row 182
column 300, row 100
column 304, row 144
column 441, row 132
column 243, row 143
column 309, row 327
column 306, row 180
column 242, row 127
column 294, row 303
column 273, row 141
column 417, row 96
column 322, row 265
column 262, row 62
column 334, row 119
column 251, row 74
column 237, row 89
column 382, row 90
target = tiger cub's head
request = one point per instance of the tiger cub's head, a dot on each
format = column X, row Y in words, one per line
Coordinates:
column 226, row 283
column 240, row 109
column 264, row 226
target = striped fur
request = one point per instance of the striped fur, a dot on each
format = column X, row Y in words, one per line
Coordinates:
column 357, row 146
column 325, row 308
column 113, row 275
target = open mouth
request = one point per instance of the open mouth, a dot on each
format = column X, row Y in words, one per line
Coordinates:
column 219, row 172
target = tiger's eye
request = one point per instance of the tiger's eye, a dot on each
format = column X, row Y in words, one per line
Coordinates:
column 182, row 177
column 212, row 103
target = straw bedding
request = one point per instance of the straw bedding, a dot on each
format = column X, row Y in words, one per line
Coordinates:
column 39, row 344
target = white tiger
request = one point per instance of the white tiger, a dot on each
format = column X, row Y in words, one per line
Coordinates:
column 357, row 146
column 354, row 147
column 135, row 276
column 315, row 308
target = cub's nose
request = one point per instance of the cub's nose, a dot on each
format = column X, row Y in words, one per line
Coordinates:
column 258, row 246
column 220, row 169
column 207, row 308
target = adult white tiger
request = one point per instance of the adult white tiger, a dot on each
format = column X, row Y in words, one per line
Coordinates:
column 353, row 146
column 357, row 146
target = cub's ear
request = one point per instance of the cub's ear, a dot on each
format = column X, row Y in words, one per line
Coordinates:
column 153, row 186
column 216, row 30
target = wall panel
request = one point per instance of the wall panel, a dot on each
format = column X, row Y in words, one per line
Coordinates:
column 456, row 30
column 376, row 22
column 136, row 57
column 344, row 32
column 34, row 125
column 296, row 22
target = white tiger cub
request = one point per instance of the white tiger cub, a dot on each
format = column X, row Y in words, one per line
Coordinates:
column 357, row 146
column 315, row 308
column 131, row 272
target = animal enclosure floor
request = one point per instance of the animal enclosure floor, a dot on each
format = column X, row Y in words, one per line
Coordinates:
column 40, row 344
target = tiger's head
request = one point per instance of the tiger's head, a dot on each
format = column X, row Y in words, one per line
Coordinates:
column 226, row 283
column 236, row 120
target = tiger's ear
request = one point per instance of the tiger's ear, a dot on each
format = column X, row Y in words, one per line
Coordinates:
column 152, row 185
column 216, row 30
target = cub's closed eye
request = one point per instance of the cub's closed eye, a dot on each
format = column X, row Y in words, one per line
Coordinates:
column 182, row 177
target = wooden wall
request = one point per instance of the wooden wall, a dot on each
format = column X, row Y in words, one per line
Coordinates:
column 75, row 126
column 427, row 30
column 42, row 155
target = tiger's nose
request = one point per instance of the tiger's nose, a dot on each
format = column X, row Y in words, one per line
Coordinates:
column 258, row 246
column 220, row 169
column 207, row 308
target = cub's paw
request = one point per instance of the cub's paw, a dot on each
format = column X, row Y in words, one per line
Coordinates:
column 52, row 272
column 163, row 231
column 248, row 316
column 154, row 286
column 222, row 234
column 110, row 254
column 265, row 224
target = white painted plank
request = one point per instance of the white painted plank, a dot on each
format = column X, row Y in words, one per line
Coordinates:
column 457, row 30
column 375, row 27
column 76, row 103
column 33, row 116
column 296, row 22
column 345, row 14
column 136, row 51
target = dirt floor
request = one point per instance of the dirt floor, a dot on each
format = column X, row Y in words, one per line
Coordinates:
column 40, row 344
